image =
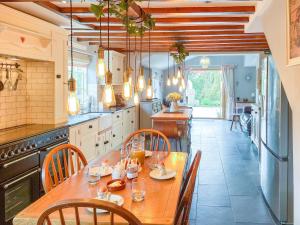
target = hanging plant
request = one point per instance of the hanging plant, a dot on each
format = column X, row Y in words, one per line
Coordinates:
column 134, row 26
column 181, row 53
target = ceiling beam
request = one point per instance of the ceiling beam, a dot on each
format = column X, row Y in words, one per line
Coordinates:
column 180, row 28
column 204, row 9
column 208, row 19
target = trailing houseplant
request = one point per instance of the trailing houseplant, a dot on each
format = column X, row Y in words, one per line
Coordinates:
column 134, row 26
column 180, row 54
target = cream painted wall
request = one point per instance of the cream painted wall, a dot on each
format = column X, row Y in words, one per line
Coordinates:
column 273, row 21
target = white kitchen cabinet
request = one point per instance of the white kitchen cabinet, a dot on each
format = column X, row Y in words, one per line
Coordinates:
column 128, row 122
column 74, row 136
column 117, row 135
column 116, row 64
column 88, row 146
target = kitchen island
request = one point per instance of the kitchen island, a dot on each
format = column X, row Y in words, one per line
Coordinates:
column 176, row 126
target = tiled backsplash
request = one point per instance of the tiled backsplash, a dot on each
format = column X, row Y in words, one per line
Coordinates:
column 33, row 101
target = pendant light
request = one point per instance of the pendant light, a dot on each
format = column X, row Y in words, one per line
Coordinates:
column 100, row 60
column 136, row 97
column 108, row 97
column 205, row 61
column 127, row 72
column 141, row 78
column 168, row 80
column 149, row 92
column 73, row 102
column 174, row 79
column 179, row 73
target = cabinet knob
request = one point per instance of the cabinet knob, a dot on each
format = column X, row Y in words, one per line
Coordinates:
column 90, row 126
column 114, row 135
column 131, row 121
column 97, row 145
column 106, row 142
column 118, row 69
column 128, row 111
column 118, row 116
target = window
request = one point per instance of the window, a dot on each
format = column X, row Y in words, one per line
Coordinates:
column 80, row 75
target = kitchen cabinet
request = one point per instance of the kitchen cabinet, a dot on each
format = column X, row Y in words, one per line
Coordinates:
column 117, row 135
column 116, row 64
column 129, row 122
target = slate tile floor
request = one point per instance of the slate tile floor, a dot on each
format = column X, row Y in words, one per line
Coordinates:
column 227, row 188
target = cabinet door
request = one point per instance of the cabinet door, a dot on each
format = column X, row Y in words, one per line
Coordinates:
column 88, row 146
column 117, row 137
column 100, row 147
column 107, row 142
column 74, row 136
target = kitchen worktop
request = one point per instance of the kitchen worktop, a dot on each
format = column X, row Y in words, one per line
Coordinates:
column 30, row 130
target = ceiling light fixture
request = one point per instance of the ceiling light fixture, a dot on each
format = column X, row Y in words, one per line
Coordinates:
column 149, row 93
column 108, row 97
column 141, row 78
column 136, row 97
column 100, row 60
column 73, row 102
column 205, row 62
column 168, row 80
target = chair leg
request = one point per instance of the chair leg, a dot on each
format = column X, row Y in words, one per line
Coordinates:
column 176, row 144
column 231, row 124
column 180, row 147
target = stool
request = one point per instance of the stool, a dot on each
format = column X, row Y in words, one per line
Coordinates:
column 236, row 119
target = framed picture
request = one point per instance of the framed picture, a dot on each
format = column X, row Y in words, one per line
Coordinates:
column 293, row 32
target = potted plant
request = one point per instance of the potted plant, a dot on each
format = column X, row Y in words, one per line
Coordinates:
column 173, row 98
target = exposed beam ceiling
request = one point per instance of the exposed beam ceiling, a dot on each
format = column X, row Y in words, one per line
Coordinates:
column 201, row 27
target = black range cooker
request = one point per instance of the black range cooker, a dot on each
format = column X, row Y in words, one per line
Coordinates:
column 20, row 166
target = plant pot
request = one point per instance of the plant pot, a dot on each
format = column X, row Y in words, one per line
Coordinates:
column 173, row 107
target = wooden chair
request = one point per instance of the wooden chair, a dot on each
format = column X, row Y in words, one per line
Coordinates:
column 95, row 204
column 186, row 194
column 61, row 163
column 171, row 129
column 158, row 141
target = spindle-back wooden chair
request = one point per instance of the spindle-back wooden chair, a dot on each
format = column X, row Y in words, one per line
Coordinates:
column 155, row 140
column 94, row 204
column 61, row 163
column 185, row 200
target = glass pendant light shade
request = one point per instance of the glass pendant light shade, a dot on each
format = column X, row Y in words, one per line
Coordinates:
column 73, row 102
column 168, row 81
column 141, row 80
column 205, row 61
column 175, row 80
column 179, row 73
column 180, row 88
column 100, row 63
column 108, row 95
column 149, row 91
column 183, row 83
column 136, row 98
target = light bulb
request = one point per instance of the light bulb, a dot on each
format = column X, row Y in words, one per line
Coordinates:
column 136, row 98
column 100, row 63
column 169, row 82
column 175, row 80
column 73, row 103
column 130, row 79
column 141, row 82
column 183, row 83
column 180, row 88
column 149, row 92
column 108, row 95
column 126, row 90
column 179, row 73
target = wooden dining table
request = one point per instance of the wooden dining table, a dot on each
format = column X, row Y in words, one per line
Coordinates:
column 158, row 207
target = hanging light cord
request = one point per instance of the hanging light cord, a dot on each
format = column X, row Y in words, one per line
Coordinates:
column 71, row 20
column 100, row 28
column 127, row 36
column 108, row 33
column 168, row 65
column 135, row 59
column 141, row 47
column 149, row 44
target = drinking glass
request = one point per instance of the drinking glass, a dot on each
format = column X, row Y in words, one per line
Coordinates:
column 93, row 174
column 138, row 189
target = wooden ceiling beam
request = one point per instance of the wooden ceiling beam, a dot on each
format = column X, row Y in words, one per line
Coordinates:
column 204, row 9
column 203, row 19
column 180, row 28
column 93, row 33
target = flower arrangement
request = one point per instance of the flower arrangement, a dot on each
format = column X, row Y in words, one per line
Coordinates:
column 173, row 97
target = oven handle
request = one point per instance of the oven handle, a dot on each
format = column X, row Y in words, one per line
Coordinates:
column 21, row 178
column 20, row 159
column 54, row 146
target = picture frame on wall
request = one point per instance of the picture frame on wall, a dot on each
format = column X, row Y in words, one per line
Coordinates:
column 293, row 32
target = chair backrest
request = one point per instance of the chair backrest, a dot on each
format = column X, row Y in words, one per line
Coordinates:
column 185, row 198
column 94, row 204
column 61, row 163
column 155, row 140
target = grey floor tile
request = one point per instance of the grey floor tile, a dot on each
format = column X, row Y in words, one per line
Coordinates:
column 207, row 215
column 207, row 176
column 250, row 209
column 213, row 195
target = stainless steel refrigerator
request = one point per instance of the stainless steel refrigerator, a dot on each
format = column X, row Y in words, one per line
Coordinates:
column 276, row 160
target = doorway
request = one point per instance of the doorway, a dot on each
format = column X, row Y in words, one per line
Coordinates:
column 205, row 93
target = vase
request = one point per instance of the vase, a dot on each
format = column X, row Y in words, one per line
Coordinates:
column 173, row 106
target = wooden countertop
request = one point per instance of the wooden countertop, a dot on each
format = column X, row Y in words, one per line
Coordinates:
column 185, row 114
column 158, row 208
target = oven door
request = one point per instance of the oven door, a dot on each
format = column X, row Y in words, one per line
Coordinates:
column 17, row 194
